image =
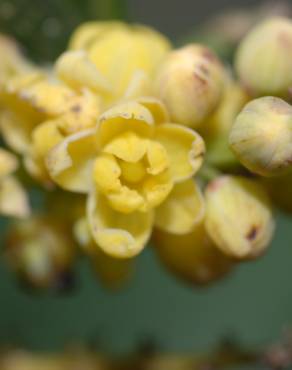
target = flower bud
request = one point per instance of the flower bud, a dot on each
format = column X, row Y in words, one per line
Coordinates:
column 238, row 217
column 191, row 257
column 191, row 82
column 264, row 58
column 261, row 136
column 41, row 252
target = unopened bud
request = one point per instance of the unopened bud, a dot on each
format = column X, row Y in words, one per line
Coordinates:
column 191, row 82
column 238, row 217
column 192, row 257
column 264, row 58
column 261, row 137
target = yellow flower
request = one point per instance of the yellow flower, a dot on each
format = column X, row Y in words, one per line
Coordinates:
column 137, row 169
column 121, row 53
column 238, row 216
column 13, row 197
column 192, row 257
column 39, row 111
column 41, row 251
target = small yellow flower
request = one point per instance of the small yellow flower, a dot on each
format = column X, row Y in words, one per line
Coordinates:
column 13, row 197
column 38, row 111
column 121, row 52
column 192, row 257
column 238, row 216
column 132, row 164
column 41, row 251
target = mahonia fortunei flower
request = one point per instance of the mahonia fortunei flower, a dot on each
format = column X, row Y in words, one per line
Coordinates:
column 41, row 251
column 137, row 170
column 127, row 56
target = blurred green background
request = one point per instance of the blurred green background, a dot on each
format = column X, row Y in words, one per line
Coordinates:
column 254, row 304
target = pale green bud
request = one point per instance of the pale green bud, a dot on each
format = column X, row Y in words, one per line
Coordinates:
column 238, row 217
column 264, row 58
column 261, row 136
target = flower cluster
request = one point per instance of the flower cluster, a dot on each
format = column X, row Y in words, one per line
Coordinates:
column 133, row 140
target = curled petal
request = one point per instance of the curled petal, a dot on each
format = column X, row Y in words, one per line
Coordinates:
column 156, row 107
column 46, row 97
column 156, row 189
column 8, row 163
column 126, row 200
column 182, row 210
column 70, row 162
column 122, row 118
column 157, row 158
column 185, row 149
column 13, row 198
column 117, row 234
column 106, row 173
column 128, row 146
column 77, row 71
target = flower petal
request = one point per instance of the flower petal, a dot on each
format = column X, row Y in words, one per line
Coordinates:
column 156, row 107
column 106, row 173
column 16, row 130
column 156, row 189
column 124, row 117
column 8, row 163
column 77, row 71
column 70, row 162
column 117, row 234
column 182, row 210
column 128, row 146
column 13, row 198
column 157, row 158
column 185, row 149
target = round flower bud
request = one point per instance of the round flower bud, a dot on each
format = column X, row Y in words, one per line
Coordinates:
column 190, row 82
column 192, row 257
column 261, row 136
column 264, row 58
column 238, row 217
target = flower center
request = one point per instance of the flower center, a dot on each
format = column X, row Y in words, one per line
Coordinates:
column 132, row 172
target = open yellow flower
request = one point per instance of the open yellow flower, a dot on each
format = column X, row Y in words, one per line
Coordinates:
column 38, row 111
column 13, row 197
column 137, row 170
column 126, row 55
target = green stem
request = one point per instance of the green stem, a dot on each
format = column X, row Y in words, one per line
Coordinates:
column 208, row 173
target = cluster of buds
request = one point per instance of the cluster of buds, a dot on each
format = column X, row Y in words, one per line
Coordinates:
column 147, row 143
